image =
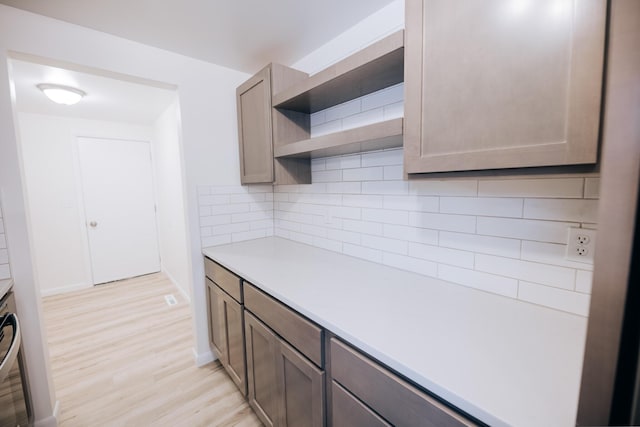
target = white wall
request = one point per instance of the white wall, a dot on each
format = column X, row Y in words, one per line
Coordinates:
column 208, row 118
column 171, row 202
column 52, row 180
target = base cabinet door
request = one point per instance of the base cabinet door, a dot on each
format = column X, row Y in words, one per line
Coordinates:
column 301, row 388
column 234, row 360
column 348, row 411
column 217, row 330
column 262, row 373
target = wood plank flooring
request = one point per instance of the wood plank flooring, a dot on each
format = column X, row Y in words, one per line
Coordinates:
column 122, row 357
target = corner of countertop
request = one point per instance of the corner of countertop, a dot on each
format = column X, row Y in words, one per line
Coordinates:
column 5, row 287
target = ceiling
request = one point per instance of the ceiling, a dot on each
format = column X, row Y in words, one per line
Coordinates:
column 107, row 98
column 240, row 34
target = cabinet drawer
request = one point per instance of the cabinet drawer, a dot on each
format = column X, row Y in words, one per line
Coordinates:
column 347, row 411
column 298, row 331
column 227, row 281
column 400, row 403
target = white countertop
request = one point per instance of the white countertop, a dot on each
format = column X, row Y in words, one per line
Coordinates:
column 5, row 285
column 503, row 361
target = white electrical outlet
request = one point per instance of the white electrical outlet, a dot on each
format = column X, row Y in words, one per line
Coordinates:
column 581, row 245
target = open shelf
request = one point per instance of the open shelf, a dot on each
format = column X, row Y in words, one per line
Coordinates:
column 374, row 68
column 376, row 136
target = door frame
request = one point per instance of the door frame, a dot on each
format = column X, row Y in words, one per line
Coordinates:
column 86, row 248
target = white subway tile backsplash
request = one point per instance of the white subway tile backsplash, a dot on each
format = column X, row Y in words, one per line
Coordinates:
column 526, row 229
column 386, row 216
column 426, row 268
column 343, row 110
column 461, row 223
column 481, row 244
column 361, row 252
column 385, row 244
column 573, row 302
column 393, row 173
column 363, row 174
column 412, row 203
column 441, row 255
column 559, row 277
column 382, row 158
column 482, row 206
column 411, row 234
column 550, row 253
column 318, row 165
column 384, row 97
column 344, row 187
column 501, row 235
column 385, row 187
column 584, row 281
column 561, row 209
column 345, row 236
column 478, row 280
column 327, row 176
column 326, row 128
column 343, row 162
column 362, row 227
column 215, row 220
column 367, row 201
column 3, row 241
column 4, row 256
column 565, row 188
column 318, row 118
column 216, row 240
column 363, row 119
column 443, row 188
column 394, row 111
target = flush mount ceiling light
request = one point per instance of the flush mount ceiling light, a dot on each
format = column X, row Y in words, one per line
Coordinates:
column 61, row 94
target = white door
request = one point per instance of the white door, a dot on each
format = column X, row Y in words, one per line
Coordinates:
column 117, row 188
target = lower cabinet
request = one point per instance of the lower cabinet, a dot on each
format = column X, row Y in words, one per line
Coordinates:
column 285, row 388
column 227, row 333
column 363, row 387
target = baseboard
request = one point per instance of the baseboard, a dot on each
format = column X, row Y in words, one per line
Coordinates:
column 52, row 420
column 64, row 289
column 184, row 293
column 203, row 358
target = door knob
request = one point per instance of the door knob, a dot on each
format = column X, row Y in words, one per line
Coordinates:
column 93, row 224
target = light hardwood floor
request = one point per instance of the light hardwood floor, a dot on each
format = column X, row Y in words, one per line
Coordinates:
column 122, row 357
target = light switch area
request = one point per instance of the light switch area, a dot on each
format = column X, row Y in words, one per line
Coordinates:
column 581, row 245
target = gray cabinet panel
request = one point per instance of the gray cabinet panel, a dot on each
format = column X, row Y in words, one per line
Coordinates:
column 262, row 373
column 217, row 330
column 400, row 403
column 301, row 333
column 302, row 388
column 502, row 84
column 235, row 357
column 225, row 279
column 348, row 411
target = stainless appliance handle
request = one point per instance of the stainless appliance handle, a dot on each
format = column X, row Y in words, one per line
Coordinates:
column 12, row 354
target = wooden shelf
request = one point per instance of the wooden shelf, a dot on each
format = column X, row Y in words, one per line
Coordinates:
column 387, row 134
column 375, row 67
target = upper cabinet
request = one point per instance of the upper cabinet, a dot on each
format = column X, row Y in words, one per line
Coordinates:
column 502, row 83
column 259, row 124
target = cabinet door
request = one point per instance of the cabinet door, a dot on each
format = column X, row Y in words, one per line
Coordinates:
column 254, row 128
column 234, row 333
column 502, row 83
column 302, row 389
column 217, row 329
column 348, row 411
column 262, row 376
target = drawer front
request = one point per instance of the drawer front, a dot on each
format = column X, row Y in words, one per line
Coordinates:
column 400, row 403
column 347, row 411
column 227, row 281
column 298, row 331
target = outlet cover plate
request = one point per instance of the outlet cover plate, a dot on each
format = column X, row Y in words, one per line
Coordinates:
column 581, row 244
